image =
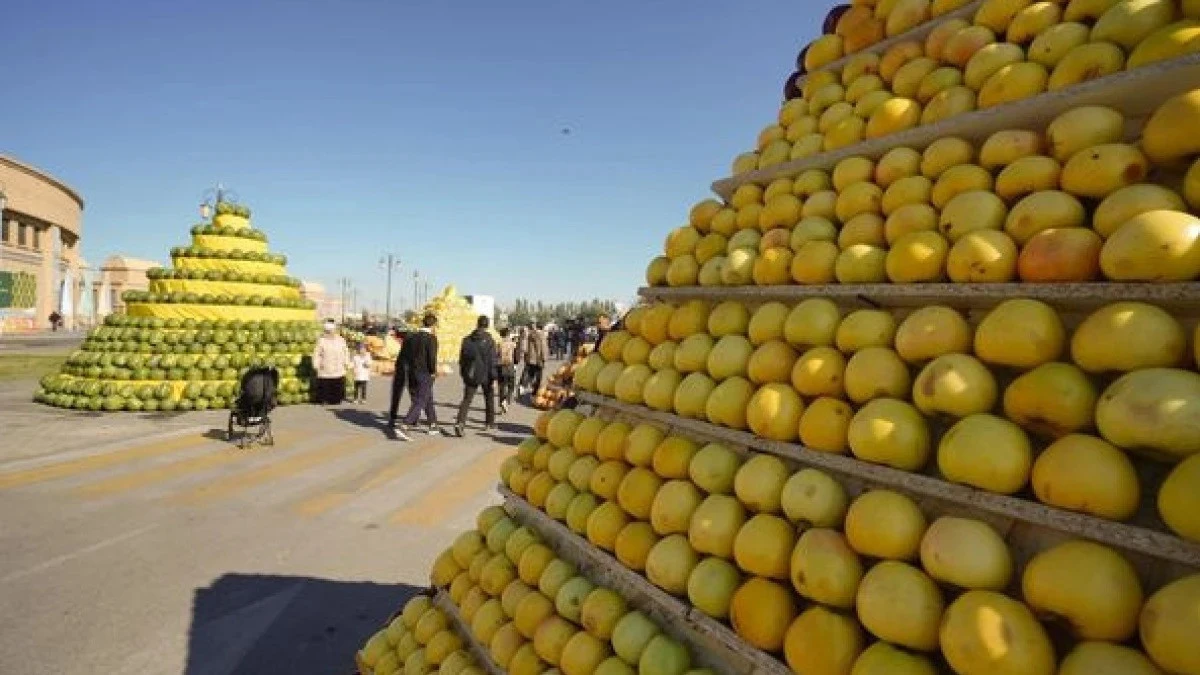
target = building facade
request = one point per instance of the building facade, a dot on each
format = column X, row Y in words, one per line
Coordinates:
column 40, row 228
column 118, row 273
column 328, row 307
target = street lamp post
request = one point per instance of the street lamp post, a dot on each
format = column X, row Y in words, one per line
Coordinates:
column 212, row 197
column 344, row 287
column 391, row 262
column 416, row 293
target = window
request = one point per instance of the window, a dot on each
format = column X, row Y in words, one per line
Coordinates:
column 21, row 240
column 35, row 238
column 5, row 227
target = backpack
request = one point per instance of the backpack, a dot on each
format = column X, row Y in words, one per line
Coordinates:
column 472, row 365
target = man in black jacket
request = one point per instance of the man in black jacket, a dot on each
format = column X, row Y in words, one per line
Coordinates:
column 422, row 369
column 399, row 377
column 477, row 365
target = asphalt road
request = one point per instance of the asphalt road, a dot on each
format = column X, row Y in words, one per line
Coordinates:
column 171, row 551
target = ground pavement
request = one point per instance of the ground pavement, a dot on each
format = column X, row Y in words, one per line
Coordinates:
column 147, row 544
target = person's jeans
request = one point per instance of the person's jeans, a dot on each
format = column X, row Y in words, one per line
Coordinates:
column 506, row 379
column 422, row 400
column 489, row 406
column 331, row 390
column 533, row 377
column 399, row 380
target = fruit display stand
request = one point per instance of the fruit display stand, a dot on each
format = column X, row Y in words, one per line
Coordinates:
column 837, row 251
column 428, row 622
column 456, row 319
column 443, row 602
column 225, row 305
column 558, row 387
column 718, row 646
column 834, row 439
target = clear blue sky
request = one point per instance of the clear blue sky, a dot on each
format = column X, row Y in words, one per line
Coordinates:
column 429, row 128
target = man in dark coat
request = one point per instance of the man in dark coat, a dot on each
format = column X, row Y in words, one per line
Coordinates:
column 399, row 378
column 421, row 364
column 477, row 365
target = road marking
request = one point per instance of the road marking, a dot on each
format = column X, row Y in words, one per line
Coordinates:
column 94, row 462
column 439, row 501
column 289, row 466
column 324, row 503
column 58, row 560
column 156, row 474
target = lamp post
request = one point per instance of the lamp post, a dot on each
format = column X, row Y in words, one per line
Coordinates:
column 416, row 292
column 344, row 287
column 212, row 197
column 390, row 262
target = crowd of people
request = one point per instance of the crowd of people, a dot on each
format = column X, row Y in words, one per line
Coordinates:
column 487, row 366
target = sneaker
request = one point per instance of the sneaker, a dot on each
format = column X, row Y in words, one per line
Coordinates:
column 399, row 431
column 434, row 430
column 459, row 430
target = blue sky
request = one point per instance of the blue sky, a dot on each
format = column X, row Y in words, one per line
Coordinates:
column 428, row 128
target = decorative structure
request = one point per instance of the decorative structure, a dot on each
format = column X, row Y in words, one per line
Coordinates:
column 225, row 305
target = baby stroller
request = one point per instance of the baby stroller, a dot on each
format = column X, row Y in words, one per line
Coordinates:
column 251, row 411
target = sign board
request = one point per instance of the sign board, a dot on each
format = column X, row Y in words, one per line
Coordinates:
column 483, row 305
column 18, row 290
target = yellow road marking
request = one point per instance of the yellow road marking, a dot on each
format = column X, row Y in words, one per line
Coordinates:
column 156, row 474
column 229, row 485
column 324, row 503
column 94, row 462
column 439, row 501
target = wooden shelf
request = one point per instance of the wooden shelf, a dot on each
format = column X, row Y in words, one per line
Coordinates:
column 712, row 643
column 1178, row 298
column 482, row 656
column 1162, row 556
column 1135, row 92
column 917, row 34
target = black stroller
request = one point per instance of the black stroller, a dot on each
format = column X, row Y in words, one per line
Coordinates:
column 252, row 409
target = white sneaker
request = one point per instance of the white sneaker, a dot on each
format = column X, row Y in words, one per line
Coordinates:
column 401, row 435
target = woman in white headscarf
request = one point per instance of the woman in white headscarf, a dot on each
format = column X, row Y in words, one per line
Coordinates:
column 331, row 359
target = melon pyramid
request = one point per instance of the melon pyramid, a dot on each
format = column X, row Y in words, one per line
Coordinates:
column 226, row 304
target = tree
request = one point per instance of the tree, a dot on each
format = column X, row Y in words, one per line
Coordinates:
column 524, row 311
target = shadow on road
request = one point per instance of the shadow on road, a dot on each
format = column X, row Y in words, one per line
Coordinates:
column 362, row 418
column 253, row 624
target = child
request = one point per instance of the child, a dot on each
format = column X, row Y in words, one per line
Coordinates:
column 362, row 373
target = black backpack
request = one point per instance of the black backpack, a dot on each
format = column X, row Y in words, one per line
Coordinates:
column 472, row 363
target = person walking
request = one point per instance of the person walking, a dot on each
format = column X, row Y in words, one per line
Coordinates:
column 477, row 365
column 603, row 325
column 361, row 363
column 506, row 369
column 331, row 359
column 399, row 378
column 422, row 370
column 535, row 359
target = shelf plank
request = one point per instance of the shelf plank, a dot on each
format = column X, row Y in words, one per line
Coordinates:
column 917, row 34
column 713, row 644
column 1139, row 540
column 1178, row 298
column 442, row 601
column 1134, row 92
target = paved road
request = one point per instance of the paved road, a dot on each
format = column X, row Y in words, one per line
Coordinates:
column 173, row 552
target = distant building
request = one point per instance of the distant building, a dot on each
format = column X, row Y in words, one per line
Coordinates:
column 328, row 307
column 40, row 227
column 118, row 274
